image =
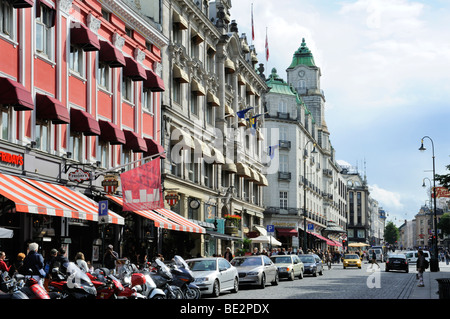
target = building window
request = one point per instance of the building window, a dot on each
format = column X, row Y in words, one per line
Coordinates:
column 209, row 173
column 6, row 18
column 283, row 200
column 4, row 124
column 282, row 107
column 127, row 89
column 76, row 60
column 44, row 34
column 76, row 143
column 126, row 156
column 284, row 163
column 103, row 76
column 42, row 130
column 103, row 154
column 177, row 34
column 106, row 15
column 147, row 100
column 176, row 91
column 194, row 103
column 209, row 115
column 129, row 32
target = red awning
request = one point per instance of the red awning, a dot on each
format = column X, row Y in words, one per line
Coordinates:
column 154, row 82
column 83, row 37
column 18, row 4
column 110, row 55
column 83, row 122
column 134, row 142
column 134, row 70
column 111, row 133
column 15, row 94
column 153, row 148
column 287, row 232
column 328, row 241
column 48, row 108
column 186, row 224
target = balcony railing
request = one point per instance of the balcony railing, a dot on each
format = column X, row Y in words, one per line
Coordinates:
column 284, row 176
column 285, row 144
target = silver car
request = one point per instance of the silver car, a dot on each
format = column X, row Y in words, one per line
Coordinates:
column 256, row 270
column 214, row 275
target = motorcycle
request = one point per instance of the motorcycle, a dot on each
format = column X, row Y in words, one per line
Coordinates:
column 142, row 282
column 9, row 288
column 109, row 287
column 74, row 284
column 184, row 279
column 163, row 279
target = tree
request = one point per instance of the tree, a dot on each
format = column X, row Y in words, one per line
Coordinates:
column 444, row 224
column 444, row 180
column 390, row 233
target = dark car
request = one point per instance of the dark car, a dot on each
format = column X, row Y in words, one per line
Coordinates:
column 397, row 262
column 313, row 264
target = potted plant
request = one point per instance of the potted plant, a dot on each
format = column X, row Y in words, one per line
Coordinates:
column 233, row 219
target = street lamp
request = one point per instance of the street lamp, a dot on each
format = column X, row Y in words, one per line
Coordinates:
column 304, row 192
column 431, row 201
column 434, row 262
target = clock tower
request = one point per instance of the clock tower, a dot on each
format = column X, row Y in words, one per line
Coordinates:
column 304, row 76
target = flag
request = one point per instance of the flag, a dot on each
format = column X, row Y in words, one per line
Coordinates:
column 252, row 120
column 253, row 28
column 267, row 47
column 141, row 187
column 272, row 150
column 241, row 113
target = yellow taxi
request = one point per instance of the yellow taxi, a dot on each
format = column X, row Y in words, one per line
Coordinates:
column 352, row 260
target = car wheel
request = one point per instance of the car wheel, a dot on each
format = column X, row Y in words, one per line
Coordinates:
column 321, row 271
column 300, row 276
column 216, row 289
column 407, row 270
column 236, row 285
column 315, row 273
column 262, row 284
column 292, row 276
column 276, row 279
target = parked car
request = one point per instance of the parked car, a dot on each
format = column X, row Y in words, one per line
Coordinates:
column 289, row 266
column 256, row 270
column 397, row 262
column 412, row 256
column 214, row 275
column 312, row 263
column 351, row 260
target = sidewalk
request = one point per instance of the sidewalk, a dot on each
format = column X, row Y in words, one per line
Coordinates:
column 430, row 291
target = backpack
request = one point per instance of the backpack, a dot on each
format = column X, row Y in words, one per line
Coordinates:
column 426, row 264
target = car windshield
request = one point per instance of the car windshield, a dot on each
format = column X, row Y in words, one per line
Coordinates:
column 410, row 255
column 351, row 257
column 307, row 259
column 202, row 265
column 281, row 260
column 238, row 262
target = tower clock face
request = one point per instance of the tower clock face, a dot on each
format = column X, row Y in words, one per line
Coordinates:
column 301, row 73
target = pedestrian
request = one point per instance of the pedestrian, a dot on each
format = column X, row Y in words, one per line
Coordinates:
column 81, row 263
column 33, row 264
column 447, row 257
column 110, row 257
column 228, row 254
column 3, row 265
column 374, row 259
column 17, row 264
column 255, row 251
column 421, row 266
column 61, row 261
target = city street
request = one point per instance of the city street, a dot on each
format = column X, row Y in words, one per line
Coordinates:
column 339, row 283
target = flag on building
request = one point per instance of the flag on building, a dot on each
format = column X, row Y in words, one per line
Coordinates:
column 253, row 27
column 267, row 47
column 141, row 187
column 272, row 150
column 241, row 113
column 252, row 120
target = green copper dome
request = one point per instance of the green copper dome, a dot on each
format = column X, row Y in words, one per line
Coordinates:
column 302, row 56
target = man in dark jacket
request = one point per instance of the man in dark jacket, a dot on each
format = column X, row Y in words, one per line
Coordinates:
column 420, row 266
column 33, row 264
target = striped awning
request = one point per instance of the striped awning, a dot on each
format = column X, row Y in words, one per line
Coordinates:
column 164, row 218
column 31, row 196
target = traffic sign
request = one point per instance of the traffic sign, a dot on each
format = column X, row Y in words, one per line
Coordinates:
column 103, row 212
column 270, row 228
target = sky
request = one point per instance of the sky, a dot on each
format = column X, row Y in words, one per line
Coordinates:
column 385, row 68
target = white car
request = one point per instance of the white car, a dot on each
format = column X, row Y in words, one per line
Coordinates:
column 412, row 256
column 289, row 266
column 214, row 275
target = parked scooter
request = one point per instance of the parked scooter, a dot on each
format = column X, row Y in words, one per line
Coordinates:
column 142, row 282
column 163, row 280
column 74, row 284
column 109, row 287
column 9, row 288
column 184, row 279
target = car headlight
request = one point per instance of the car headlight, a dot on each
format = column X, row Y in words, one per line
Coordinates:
column 201, row 279
column 252, row 273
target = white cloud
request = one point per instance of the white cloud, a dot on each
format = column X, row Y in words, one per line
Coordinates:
column 387, row 199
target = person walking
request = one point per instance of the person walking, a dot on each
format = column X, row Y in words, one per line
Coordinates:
column 110, row 258
column 33, row 264
column 374, row 259
column 447, row 256
column 421, row 266
column 228, row 254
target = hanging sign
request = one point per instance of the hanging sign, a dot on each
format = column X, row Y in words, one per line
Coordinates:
column 79, row 176
column 110, row 184
column 172, row 198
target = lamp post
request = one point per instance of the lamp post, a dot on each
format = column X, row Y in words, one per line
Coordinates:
column 434, row 262
column 305, row 156
column 430, row 200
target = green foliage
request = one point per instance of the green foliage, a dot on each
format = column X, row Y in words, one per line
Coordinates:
column 391, row 233
column 444, row 180
column 444, row 224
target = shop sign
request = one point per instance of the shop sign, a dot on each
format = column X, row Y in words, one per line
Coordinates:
column 79, row 176
column 110, row 183
column 9, row 158
column 441, row 192
column 172, row 198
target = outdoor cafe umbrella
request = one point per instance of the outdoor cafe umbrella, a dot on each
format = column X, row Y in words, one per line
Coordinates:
column 358, row 245
column 266, row 240
column 6, row 233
